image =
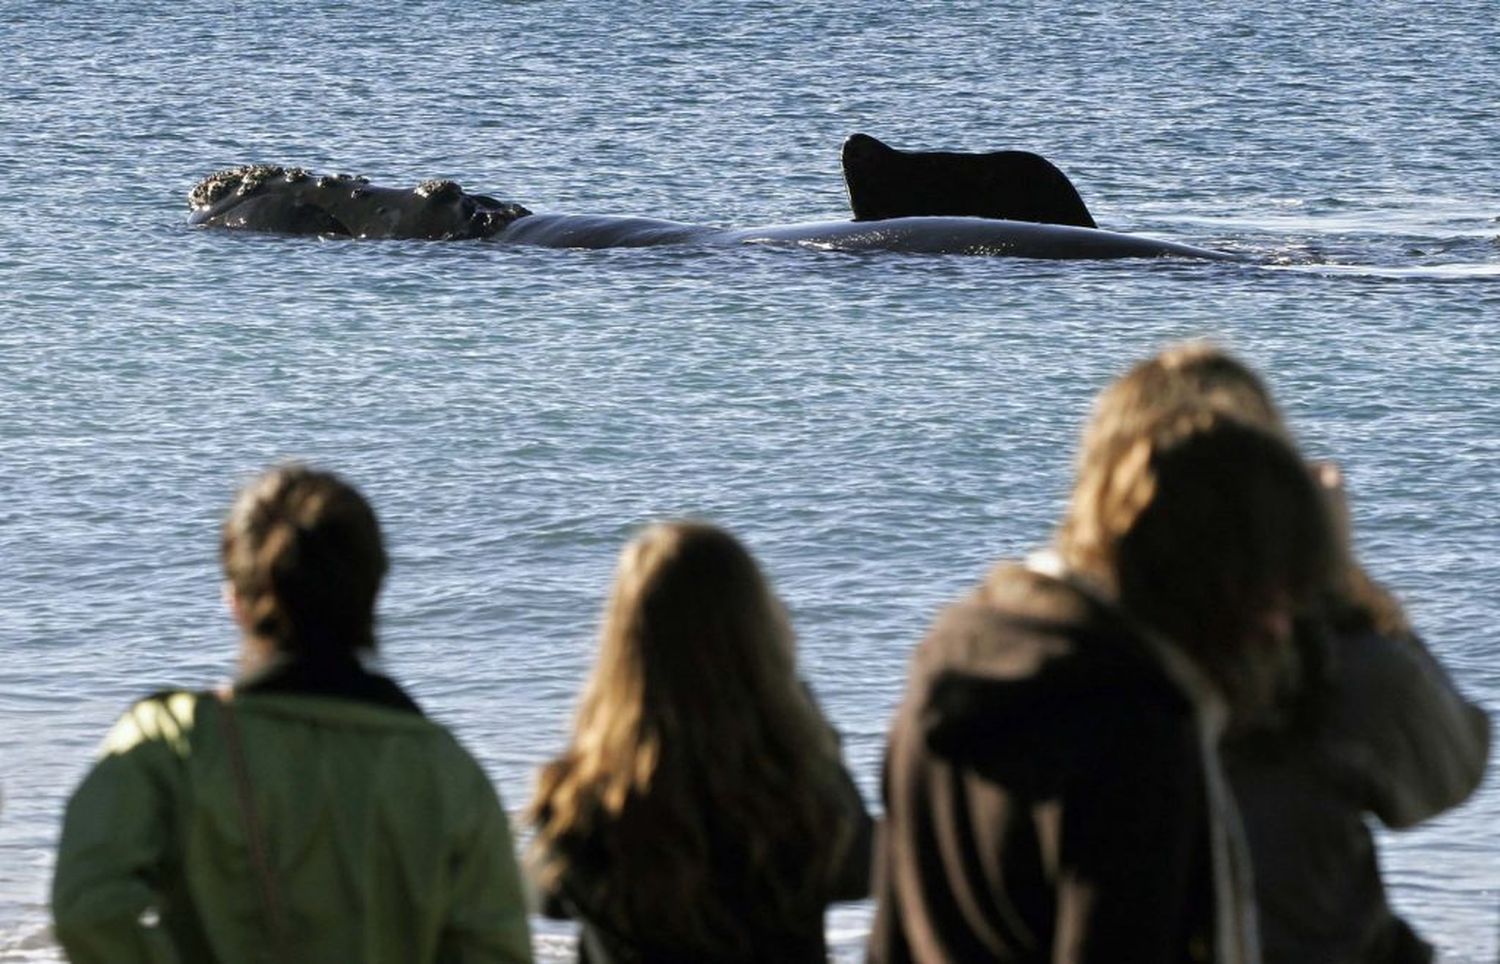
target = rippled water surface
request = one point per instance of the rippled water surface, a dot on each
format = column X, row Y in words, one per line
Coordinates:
column 878, row 427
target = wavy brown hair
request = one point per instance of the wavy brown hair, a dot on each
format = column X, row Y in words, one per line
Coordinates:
column 699, row 799
column 1201, row 525
column 1196, row 374
column 302, row 550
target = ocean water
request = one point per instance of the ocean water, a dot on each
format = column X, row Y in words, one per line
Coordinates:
column 878, row 427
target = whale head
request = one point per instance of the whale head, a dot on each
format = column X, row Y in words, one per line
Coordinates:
column 264, row 197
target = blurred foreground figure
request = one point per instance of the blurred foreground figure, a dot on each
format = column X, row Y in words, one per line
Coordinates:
column 309, row 814
column 1052, row 787
column 1362, row 720
column 700, row 811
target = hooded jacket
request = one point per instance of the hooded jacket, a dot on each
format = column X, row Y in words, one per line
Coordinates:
column 1045, row 789
column 385, row 839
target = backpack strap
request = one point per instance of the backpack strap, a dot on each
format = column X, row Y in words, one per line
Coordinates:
column 254, row 832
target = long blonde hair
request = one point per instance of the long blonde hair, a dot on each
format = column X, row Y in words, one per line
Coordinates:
column 1202, row 525
column 699, row 764
column 1200, row 374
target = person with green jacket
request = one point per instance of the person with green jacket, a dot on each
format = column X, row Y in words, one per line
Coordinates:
column 310, row 812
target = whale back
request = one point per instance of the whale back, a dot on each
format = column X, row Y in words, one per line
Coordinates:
column 1008, row 185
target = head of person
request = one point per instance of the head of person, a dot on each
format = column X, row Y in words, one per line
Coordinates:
column 304, row 562
column 693, row 724
column 1212, row 532
column 1200, row 374
column 1186, row 375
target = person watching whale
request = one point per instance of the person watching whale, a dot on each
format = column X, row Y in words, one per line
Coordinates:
column 1052, row 785
column 308, row 812
column 1363, row 721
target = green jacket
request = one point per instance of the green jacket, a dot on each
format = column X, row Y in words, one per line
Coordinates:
column 386, row 840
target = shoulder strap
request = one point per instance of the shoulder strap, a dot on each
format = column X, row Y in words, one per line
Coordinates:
column 1236, row 930
column 254, row 835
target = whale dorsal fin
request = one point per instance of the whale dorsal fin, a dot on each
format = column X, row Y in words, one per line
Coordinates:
column 1012, row 185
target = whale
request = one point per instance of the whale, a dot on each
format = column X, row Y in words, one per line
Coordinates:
column 294, row 201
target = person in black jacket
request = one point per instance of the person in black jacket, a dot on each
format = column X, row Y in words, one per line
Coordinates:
column 700, row 811
column 1052, row 789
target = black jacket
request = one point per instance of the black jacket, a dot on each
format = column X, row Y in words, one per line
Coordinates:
column 795, row 941
column 1044, row 791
